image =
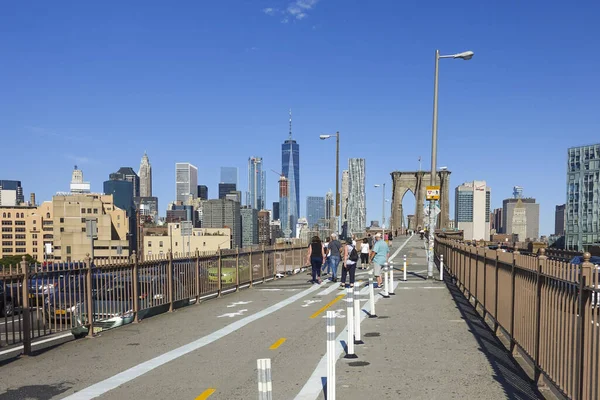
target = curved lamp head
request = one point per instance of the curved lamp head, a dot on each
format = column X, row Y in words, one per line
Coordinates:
column 378, row 185
column 323, row 137
column 465, row 55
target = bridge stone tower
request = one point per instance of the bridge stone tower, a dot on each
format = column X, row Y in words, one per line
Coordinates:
column 417, row 182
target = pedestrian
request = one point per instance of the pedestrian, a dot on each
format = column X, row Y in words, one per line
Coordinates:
column 315, row 256
column 335, row 255
column 364, row 254
column 370, row 240
column 354, row 240
column 326, row 265
column 349, row 265
column 390, row 237
column 379, row 256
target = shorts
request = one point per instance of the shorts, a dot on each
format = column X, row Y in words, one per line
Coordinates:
column 377, row 269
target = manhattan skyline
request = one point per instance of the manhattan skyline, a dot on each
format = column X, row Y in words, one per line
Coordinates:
column 105, row 96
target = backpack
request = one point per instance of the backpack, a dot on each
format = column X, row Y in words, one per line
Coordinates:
column 353, row 255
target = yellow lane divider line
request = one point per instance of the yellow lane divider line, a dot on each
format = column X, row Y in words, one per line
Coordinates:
column 277, row 344
column 326, row 306
column 206, row 394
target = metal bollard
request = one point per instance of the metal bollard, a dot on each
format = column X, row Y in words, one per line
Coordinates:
column 350, row 316
column 357, row 338
column 442, row 267
column 391, row 287
column 404, row 269
column 265, row 386
column 371, row 296
column 385, row 282
column 331, row 359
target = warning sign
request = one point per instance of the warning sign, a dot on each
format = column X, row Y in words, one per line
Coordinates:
column 433, row 192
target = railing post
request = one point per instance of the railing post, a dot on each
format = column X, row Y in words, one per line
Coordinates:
column 538, row 319
column 237, row 269
column 170, row 280
column 134, row 280
column 513, row 274
column 26, row 316
column 219, row 271
column 197, row 273
column 584, row 278
column 264, row 266
column 476, row 275
column 250, row 266
column 496, row 325
column 90, row 298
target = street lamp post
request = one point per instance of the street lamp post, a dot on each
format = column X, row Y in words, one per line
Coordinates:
column 337, row 177
column 467, row 55
column 382, row 210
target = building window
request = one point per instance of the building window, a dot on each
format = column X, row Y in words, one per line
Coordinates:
column 34, row 236
column 20, row 236
column 83, row 229
column 95, row 211
column 7, row 236
column 7, row 250
column 62, row 229
column 35, row 243
column 149, row 244
column 21, row 223
column 160, row 244
column 22, row 215
column 34, row 229
column 34, row 222
column 35, row 249
column 47, row 215
column 7, row 222
column 83, row 210
column 83, row 220
column 20, row 250
column 62, row 220
column 48, row 236
column 8, row 215
column 68, row 249
column 6, row 229
column 118, row 217
column 20, row 244
column 89, row 210
column 118, row 225
column 19, row 229
column 6, row 243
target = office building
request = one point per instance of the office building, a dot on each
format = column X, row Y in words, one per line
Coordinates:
column 223, row 213
column 78, row 185
column 582, row 207
column 203, row 192
column 129, row 175
column 276, row 232
column 496, row 220
column 70, row 240
column 249, row 226
column 122, row 193
column 517, row 192
column 531, row 218
column 145, row 177
column 257, row 193
column 186, row 181
column 275, row 210
column 11, row 193
column 559, row 220
column 357, row 206
column 290, row 167
column 226, row 188
column 288, row 224
column 22, row 231
column 315, row 210
column 472, row 210
column 147, row 207
column 229, row 175
column 158, row 241
column 234, row 196
column 264, row 227
column 329, row 205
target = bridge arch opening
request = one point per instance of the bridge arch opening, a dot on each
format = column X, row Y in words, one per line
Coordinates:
column 407, row 204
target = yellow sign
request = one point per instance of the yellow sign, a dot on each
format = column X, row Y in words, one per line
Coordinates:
column 433, row 192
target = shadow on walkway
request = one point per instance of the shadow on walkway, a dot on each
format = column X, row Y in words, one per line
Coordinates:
column 507, row 371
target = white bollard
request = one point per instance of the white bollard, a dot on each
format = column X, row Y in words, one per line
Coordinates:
column 350, row 317
column 391, row 287
column 265, row 386
column 385, row 292
column 442, row 267
column 357, row 338
column 331, row 358
column 371, row 296
column 404, row 269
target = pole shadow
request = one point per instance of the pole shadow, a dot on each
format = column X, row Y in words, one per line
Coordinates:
column 416, row 275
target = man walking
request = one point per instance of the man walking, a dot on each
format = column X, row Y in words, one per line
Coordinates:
column 379, row 256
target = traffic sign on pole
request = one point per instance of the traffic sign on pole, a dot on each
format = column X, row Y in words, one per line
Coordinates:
column 433, row 192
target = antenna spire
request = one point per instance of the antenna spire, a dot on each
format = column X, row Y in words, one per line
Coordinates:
column 290, row 124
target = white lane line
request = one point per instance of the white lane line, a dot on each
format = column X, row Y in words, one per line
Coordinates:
column 115, row 381
column 399, row 248
column 314, row 386
column 328, row 290
column 37, row 343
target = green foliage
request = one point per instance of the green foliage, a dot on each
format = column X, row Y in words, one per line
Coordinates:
column 15, row 260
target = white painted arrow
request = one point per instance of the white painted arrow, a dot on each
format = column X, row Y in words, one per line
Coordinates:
column 237, row 303
column 309, row 302
column 233, row 314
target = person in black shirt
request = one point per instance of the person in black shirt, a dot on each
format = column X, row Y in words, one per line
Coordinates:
column 316, row 257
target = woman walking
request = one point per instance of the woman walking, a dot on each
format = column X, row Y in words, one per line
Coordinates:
column 364, row 254
column 316, row 257
column 349, row 267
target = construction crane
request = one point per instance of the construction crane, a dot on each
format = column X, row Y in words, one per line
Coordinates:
column 281, row 175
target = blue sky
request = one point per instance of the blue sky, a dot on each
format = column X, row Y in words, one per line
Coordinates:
column 98, row 83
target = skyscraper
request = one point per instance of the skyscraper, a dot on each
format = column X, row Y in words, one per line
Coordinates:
column 77, row 183
column 129, row 175
column 290, row 166
column 472, row 210
column 145, row 176
column 186, row 181
column 122, row 192
column 583, row 209
column 559, row 220
column 249, row 226
column 264, row 228
column 329, row 205
column 315, row 210
column 532, row 217
column 284, row 214
column 203, row 192
column 357, row 207
column 257, row 193
column 275, row 210
column 517, row 192
column 225, row 189
column 11, row 193
column 223, row 213
column 229, row 175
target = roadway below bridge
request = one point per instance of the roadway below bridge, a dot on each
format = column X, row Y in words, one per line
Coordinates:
column 427, row 343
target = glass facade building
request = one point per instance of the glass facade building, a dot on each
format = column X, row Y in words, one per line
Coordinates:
column 229, row 175
column 257, row 191
column 315, row 210
column 290, row 164
column 186, row 181
column 583, row 194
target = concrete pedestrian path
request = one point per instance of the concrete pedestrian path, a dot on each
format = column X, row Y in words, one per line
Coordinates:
column 429, row 343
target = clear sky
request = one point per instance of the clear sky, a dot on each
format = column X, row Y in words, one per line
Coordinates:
column 210, row 82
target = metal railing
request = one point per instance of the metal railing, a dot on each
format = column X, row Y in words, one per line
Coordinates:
column 547, row 309
column 90, row 296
